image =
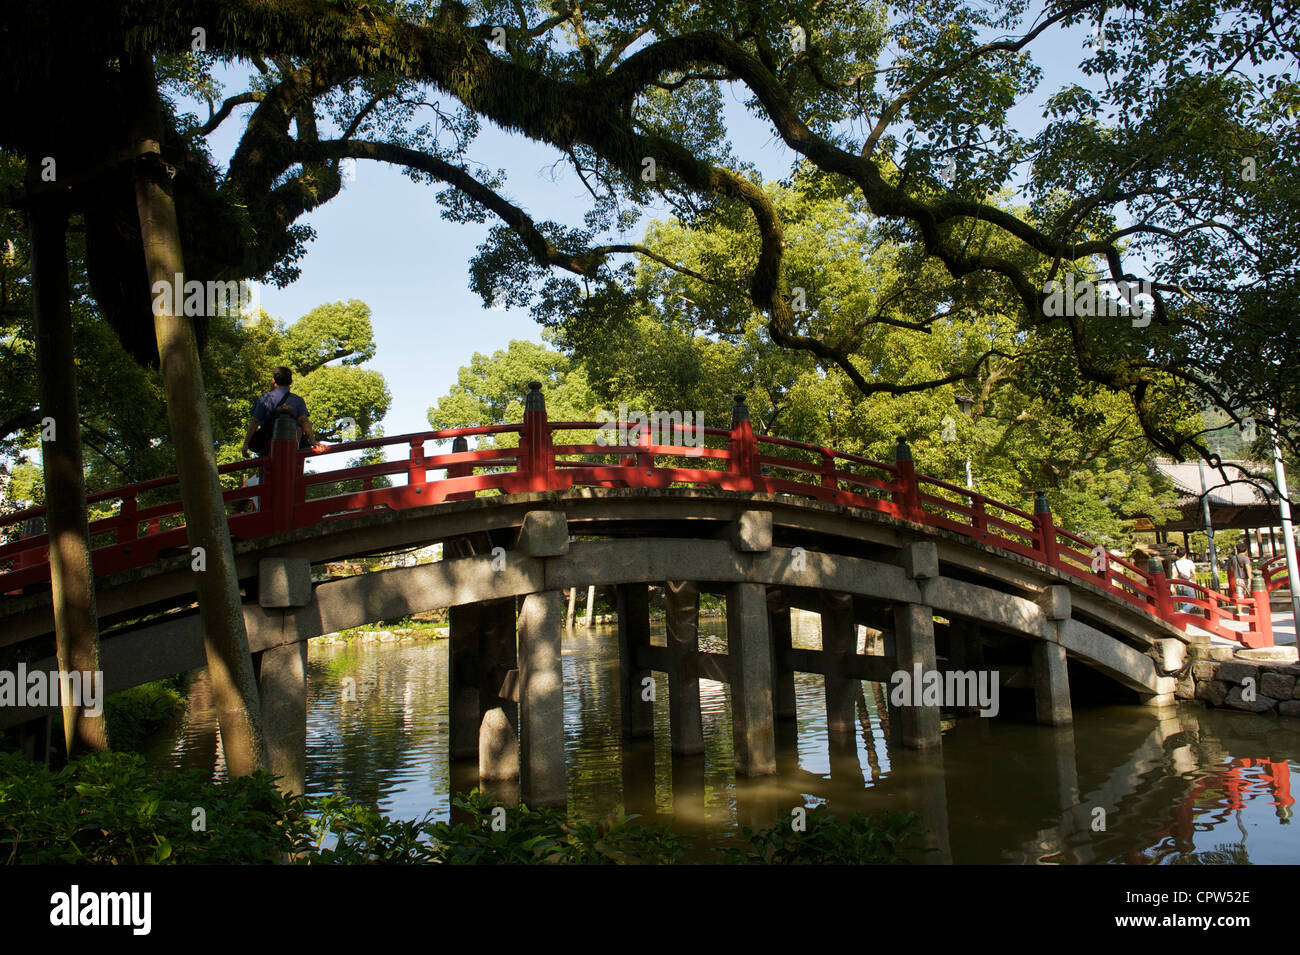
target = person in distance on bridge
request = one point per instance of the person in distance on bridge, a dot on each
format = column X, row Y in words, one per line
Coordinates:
column 261, row 425
column 1241, row 572
column 265, row 408
column 1184, row 569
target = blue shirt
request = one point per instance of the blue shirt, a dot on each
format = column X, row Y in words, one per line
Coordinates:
column 265, row 406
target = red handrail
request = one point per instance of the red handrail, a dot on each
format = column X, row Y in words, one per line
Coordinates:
column 745, row 461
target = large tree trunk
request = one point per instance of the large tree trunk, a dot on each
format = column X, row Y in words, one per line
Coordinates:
column 230, row 666
column 71, row 582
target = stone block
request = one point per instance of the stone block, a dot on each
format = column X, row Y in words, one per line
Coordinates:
column 1289, row 707
column 1185, row 689
column 1055, row 601
column 284, row 582
column 752, row 532
column 544, row 534
column 1204, row 669
column 1269, row 654
column 921, row 560
column 1173, row 653
column 1260, row 704
column 1222, row 653
column 1233, row 672
column 1213, row 692
column 1200, row 651
column 1277, row 685
column 498, row 754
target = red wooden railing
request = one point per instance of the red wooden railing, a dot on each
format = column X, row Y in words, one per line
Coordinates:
column 1273, row 570
column 733, row 459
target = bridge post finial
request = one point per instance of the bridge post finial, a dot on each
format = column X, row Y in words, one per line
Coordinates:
column 739, row 410
column 1046, row 528
column 535, row 455
column 459, row 445
column 741, row 450
column 907, row 495
column 534, row 400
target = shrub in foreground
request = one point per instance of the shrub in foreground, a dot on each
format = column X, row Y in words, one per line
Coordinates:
column 107, row 808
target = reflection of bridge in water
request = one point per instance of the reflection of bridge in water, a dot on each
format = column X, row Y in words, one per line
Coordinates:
column 951, row 581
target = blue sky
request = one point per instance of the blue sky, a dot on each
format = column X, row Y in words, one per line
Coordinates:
column 382, row 241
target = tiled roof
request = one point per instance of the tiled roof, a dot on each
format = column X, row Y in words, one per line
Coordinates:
column 1186, row 476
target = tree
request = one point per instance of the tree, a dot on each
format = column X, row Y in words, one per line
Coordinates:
column 680, row 340
column 490, row 390
column 1146, row 162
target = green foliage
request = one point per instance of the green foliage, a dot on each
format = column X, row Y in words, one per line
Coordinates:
column 136, row 712
column 491, row 389
column 861, row 840
column 1035, row 422
column 519, row 835
column 109, row 808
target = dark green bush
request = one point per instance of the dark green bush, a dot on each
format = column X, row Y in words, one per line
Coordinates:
column 108, row 808
column 135, row 713
column 860, row 840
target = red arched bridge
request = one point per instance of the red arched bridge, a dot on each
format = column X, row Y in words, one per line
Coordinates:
column 949, row 582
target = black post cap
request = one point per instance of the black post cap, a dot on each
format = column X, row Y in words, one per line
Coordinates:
column 286, row 429
column 1040, row 503
column 739, row 411
column 534, row 400
column 902, row 452
column 459, row 444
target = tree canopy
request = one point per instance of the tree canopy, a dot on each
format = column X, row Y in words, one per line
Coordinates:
column 1169, row 158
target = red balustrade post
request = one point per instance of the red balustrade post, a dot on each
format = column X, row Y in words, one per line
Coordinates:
column 128, row 525
column 978, row 519
column 32, row 527
column 1262, row 628
column 907, row 495
column 644, row 461
column 535, row 457
column 415, row 470
column 459, row 446
column 282, row 473
column 1232, row 588
column 742, row 448
column 1164, row 608
column 1046, row 528
column 828, row 470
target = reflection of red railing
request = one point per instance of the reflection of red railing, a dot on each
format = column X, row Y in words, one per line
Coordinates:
column 733, row 459
column 1228, row 791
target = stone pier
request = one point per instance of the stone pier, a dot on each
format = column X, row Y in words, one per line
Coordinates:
column 682, row 623
column 543, row 776
column 839, row 646
column 749, row 655
column 635, row 682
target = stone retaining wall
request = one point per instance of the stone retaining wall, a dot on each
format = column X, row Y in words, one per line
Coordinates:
column 1221, row 676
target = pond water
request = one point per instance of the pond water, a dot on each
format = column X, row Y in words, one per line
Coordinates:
column 1123, row 784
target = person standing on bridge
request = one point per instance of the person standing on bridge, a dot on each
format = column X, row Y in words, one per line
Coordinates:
column 1241, row 572
column 261, row 425
column 1184, row 569
column 265, row 408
